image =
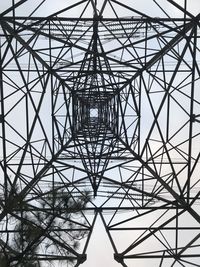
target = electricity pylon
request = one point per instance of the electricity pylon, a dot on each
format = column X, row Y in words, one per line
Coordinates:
column 104, row 104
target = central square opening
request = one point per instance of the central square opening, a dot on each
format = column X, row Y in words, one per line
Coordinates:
column 94, row 113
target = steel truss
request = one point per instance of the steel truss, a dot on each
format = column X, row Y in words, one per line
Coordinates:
column 107, row 103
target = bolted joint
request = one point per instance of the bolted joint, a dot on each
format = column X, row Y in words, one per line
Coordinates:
column 1, row 118
column 118, row 258
column 193, row 117
column 82, row 258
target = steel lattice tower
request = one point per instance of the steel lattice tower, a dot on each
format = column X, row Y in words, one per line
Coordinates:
column 101, row 97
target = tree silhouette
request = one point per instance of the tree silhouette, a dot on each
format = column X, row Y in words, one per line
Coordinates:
column 37, row 227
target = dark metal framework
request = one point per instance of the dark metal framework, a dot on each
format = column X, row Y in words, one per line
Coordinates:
column 109, row 103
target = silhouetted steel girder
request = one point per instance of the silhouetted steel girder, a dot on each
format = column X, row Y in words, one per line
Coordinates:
column 110, row 105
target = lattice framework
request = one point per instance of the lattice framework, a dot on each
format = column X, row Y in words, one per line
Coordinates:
column 108, row 104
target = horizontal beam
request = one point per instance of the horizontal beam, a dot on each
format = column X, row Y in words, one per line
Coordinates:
column 104, row 19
